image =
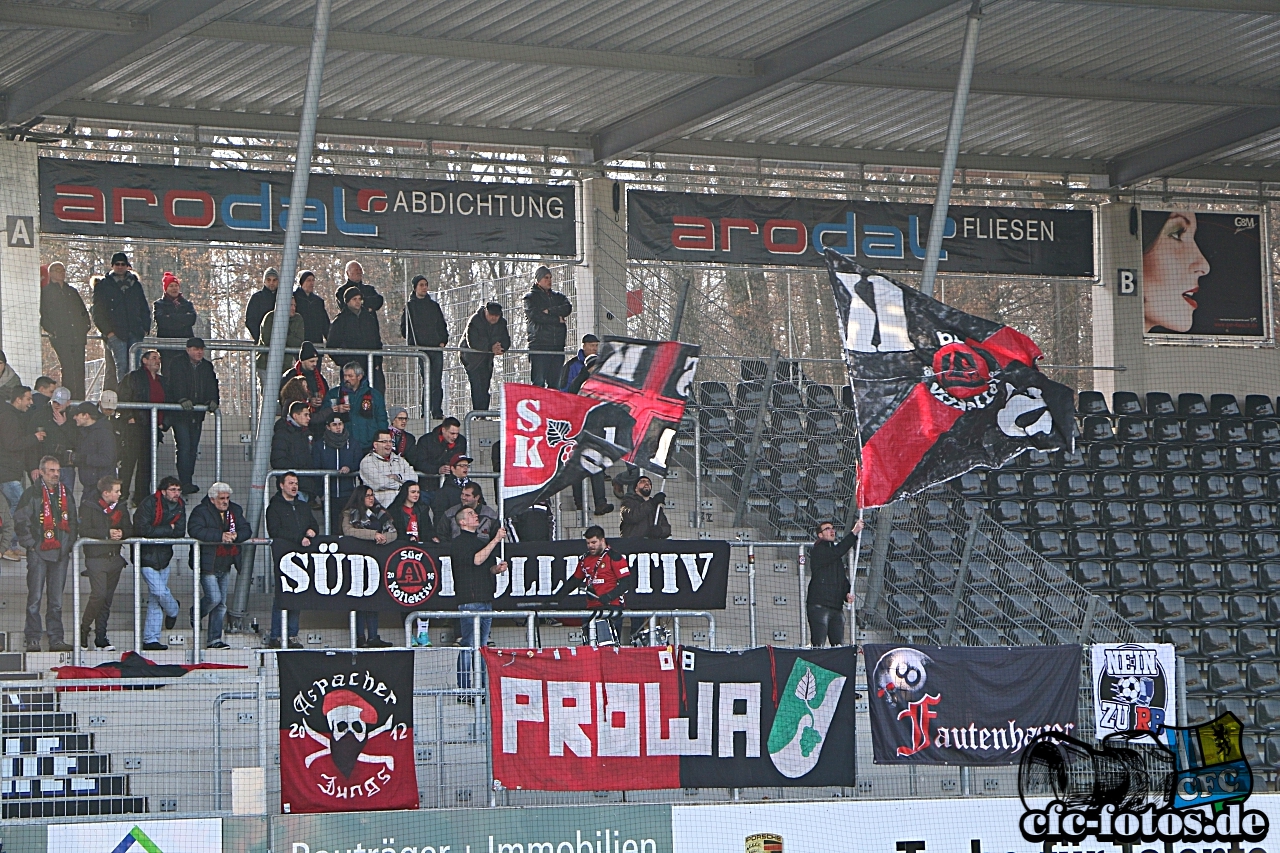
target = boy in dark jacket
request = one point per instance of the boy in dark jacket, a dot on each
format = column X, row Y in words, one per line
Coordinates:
column 220, row 526
column 335, row 450
column 102, row 516
column 486, row 336
column 175, row 318
column 96, row 450
column 829, row 588
column 45, row 521
column 547, row 311
column 290, row 521
column 433, row 454
column 162, row 515
column 423, row 325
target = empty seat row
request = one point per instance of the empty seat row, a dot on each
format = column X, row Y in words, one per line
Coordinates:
column 783, row 395
column 1201, row 609
column 1173, row 485
column 1152, row 514
column 1165, row 429
column 1188, row 405
column 1190, row 575
column 1156, row 544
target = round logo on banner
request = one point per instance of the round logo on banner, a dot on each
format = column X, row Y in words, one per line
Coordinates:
column 412, row 576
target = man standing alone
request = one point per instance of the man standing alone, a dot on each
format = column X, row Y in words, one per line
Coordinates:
column 829, row 589
column 64, row 317
column 423, row 325
column 546, row 310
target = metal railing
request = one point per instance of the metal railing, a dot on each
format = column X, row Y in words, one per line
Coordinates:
column 155, row 409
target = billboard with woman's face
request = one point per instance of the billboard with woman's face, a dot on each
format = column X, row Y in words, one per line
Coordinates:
column 1203, row 277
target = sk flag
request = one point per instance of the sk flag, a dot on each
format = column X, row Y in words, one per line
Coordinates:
column 937, row 392
column 551, row 440
column 346, row 732
column 651, row 380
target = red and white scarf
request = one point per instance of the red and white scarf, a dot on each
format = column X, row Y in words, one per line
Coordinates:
column 228, row 526
column 51, row 520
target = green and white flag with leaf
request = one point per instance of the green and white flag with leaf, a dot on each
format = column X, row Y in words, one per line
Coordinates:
column 805, row 709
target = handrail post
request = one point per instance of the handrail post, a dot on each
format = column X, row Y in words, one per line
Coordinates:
column 757, row 438
column 137, row 596
column 475, row 655
column 217, row 444
column 800, row 563
column 76, row 552
column 155, row 439
column 328, row 506
column 351, row 627
column 751, row 592
column 195, row 604
column 529, row 629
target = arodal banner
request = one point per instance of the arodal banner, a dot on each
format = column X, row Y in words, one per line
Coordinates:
column 354, row 574
column 968, row 705
column 585, row 719
column 346, row 732
column 740, row 229
column 237, row 206
column 938, row 392
column 1133, row 687
column 629, row 410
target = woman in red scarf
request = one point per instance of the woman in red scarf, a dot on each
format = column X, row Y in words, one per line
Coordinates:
column 411, row 516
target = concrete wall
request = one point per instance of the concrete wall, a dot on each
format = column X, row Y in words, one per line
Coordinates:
column 1150, row 366
column 20, row 260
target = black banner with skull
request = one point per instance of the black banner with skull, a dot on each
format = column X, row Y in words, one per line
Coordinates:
column 346, row 732
column 937, row 392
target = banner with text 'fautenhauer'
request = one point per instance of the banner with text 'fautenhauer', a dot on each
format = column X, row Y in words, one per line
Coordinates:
column 585, row 719
column 239, row 206
column 968, row 705
column 355, row 574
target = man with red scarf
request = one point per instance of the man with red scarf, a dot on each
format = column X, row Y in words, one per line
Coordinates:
column 220, row 526
column 144, row 385
column 45, row 521
column 308, row 367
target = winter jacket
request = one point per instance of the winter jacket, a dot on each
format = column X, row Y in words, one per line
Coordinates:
column 363, row 426
column 97, row 452
column 431, row 451
column 373, row 300
column 121, row 309
column 175, row 318
column 571, row 369
column 366, row 524
column 171, row 523
column 20, row 445
column 260, row 304
column 194, row 381
column 62, row 311
column 293, row 338
column 59, row 438
column 289, row 520
column 386, row 476
column 423, row 324
column 546, row 332
column 207, row 527
column 830, row 581
column 29, row 530
column 448, row 495
column 95, row 523
column 8, row 380
column 643, row 518
column 354, row 331
column 136, row 388
column 447, row 528
column 290, row 446
column 426, row 530
column 314, row 315
column 324, row 457
column 482, row 335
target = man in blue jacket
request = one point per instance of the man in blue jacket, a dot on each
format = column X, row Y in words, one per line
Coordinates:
column 220, row 527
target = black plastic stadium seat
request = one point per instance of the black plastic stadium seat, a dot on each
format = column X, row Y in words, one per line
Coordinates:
column 1233, row 431
column 1039, row 484
column 1269, row 458
column 821, row 397
column 1224, row 406
column 824, row 483
column 1158, row 545
column 1003, row 484
column 1215, row 643
column 1169, row 430
column 787, row 396
column 821, row 423
column 1240, row 458
column 1034, row 458
column 717, row 452
column 903, row 573
column 1121, row 544
column 1202, row 430
column 1074, row 484
column 1245, row 609
column 1273, row 609
column 716, row 420
column 1186, row 514
column 1214, row 486
column 1044, row 513
column 1238, row 576
column 1127, row 575
column 826, row 452
column 1088, row 544
column 1116, row 515
column 714, row 394
column 822, row 509
column 749, row 395
column 1257, row 516
column 1152, row 514
column 1253, row 642
column 846, row 397
column 753, row 369
column 1103, row 456
column 1248, row 487
column 1091, row 574
column 1134, row 429
column 1180, row 638
column 971, row 484
column 1207, row 609
column 1158, row 402
column 1228, row 545
column 937, row 511
column 1109, row 485
column 1080, row 513
column 1232, row 705
column 1143, row 485
column 1190, row 405
column 1259, row 406
column 1266, row 716
column 1207, row 458
column 785, row 451
column 1172, row 457
column 1170, row 608
column 1268, row 575
column 1198, row 711
column 1164, row 574
column 1221, row 515
column 1266, row 432
column 941, row 542
column 783, row 511
column 1133, row 607
column 1126, row 403
column 1139, row 457
column 1224, row 678
column 744, row 422
column 1264, row 546
column 1098, row 428
column 1201, row 576
column 1049, row 543
column 1092, row 403
column 787, row 422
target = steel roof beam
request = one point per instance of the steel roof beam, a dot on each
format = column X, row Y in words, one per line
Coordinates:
column 35, row 15
column 710, row 98
column 1191, row 147
column 1255, row 7
column 60, row 78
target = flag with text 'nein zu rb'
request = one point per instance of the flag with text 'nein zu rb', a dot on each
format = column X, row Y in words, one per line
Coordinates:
column 937, row 392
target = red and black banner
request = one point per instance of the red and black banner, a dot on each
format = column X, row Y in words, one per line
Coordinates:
column 938, row 392
column 968, row 705
column 585, row 719
column 346, row 732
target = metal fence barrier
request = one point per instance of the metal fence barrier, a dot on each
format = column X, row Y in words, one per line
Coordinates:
column 154, row 409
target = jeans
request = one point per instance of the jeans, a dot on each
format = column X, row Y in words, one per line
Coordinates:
column 213, row 603
column 161, row 604
column 597, row 490
column 366, row 624
column 102, row 589
column 433, row 377
column 468, row 642
column 12, row 491
column 186, row 435
column 276, row 624
column 544, row 369
column 119, row 349
column 47, row 579
column 479, row 376
column 826, row 626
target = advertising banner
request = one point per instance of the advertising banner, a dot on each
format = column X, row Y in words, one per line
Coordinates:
column 1133, row 687
column 188, row 835
column 241, row 206
column 1204, row 277
column 720, row 228
column 590, row 719
column 968, row 705
column 346, row 732
column 354, row 574
column 938, row 392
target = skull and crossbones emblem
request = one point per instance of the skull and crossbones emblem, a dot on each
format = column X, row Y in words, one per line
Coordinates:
column 351, row 722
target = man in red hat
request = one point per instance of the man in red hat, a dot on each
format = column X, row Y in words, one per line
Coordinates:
column 175, row 318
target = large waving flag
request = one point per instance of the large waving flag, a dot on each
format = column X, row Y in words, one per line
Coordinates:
column 938, row 392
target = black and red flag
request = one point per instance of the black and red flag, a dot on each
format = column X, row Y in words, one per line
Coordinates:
column 346, row 732
column 938, row 392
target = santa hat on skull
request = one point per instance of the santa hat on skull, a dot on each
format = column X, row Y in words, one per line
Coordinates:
column 344, row 699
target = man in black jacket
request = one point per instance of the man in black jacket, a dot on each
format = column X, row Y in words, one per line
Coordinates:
column 102, row 516
column 262, row 302
column 97, row 450
column 64, row 317
column 191, row 382
column 546, row 311
column 162, row 515
column 642, row 513
column 486, row 337
column 175, row 319
column 45, row 521
column 21, row 447
column 423, row 325
column 311, row 306
column 829, row 589
column 121, row 311
column 291, row 444
column 356, row 328
column 144, row 385
column 433, row 453
column 220, row 526
column 290, row 521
